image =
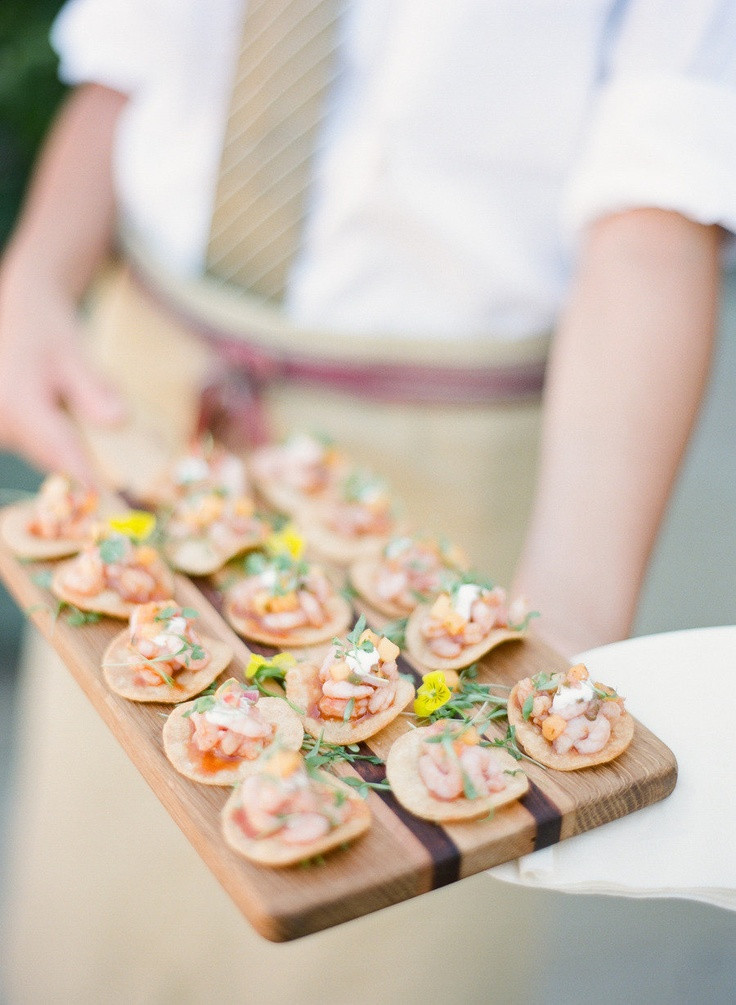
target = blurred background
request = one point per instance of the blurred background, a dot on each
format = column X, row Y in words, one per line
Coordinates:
column 692, row 581
column 29, row 94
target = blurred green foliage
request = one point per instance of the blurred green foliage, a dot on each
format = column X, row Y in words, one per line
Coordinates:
column 29, row 94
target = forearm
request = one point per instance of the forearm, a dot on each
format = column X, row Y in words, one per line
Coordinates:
column 627, row 374
column 67, row 222
column 64, row 233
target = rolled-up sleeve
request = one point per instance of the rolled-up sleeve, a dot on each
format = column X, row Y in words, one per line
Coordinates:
column 103, row 41
column 662, row 129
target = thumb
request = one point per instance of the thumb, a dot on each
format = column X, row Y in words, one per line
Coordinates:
column 87, row 394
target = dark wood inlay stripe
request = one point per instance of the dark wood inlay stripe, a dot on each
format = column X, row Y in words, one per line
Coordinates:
column 406, row 668
column 443, row 850
column 546, row 814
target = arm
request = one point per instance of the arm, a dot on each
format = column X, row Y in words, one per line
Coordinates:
column 64, row 233
column 627, row 375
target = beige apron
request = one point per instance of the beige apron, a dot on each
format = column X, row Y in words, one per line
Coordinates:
column 108, row 901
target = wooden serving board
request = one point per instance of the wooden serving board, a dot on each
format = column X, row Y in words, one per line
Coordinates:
column 400, row 856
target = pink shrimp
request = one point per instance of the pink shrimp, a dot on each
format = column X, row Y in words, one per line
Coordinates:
column 575, row 730
column 311, row 608
column 335, row 708
column 86, row 574
column 482, row 770
column 344, row 689
column 283, row 621
column 382, row 697
column 133, row 583
column 598, row 735
column 304, row 828
column 445, row 647
column 444, row 779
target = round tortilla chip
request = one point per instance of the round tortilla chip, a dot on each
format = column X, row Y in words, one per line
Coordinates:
column 338, row 548
column 402, row 772
column 302, row 690
column 532, row 742
column 178, row 730
column 198, row 556
column 279, row 496
column 362, row 575
column 23, row 544
column 272, row 851
column 340, row 616
column 107, row 602
column 188, row 683
column 419, row 651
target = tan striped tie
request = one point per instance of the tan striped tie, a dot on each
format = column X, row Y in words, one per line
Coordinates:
column 283, row 72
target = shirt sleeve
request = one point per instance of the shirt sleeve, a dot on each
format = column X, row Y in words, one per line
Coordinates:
column 662, row 131
column 105, row 42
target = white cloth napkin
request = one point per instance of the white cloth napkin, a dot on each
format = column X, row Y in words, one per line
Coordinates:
column 681, row 685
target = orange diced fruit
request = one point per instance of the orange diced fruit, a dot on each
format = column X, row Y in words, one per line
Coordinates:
column 370, row 636
column 452, row 679
column 285, row 602
column 146, row 555
column 553, row 726
column 260, row 601
column 244, row 506
column 340, row 671
column 578, row 672
column 387, row 650
column 471, row 737
column 441, row 607
column 284, row 763
column 454, row 623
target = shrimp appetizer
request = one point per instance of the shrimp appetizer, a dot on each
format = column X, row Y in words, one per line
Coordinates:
column 284, row 811
column 463, row 624
column 161, row 657
column 285, row 602
column 205, row 467
column 208, row 739
column 567, row 721
column 354, row 692
column 407, row 571
column 447, row 772
column 206, row 529
column 354, row 520
column 111, row 576
column 55, row 524
column 295, row 472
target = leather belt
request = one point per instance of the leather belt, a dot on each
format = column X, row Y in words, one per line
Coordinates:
column 248, row 363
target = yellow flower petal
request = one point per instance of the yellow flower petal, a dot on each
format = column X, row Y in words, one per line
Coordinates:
column 281, row 661
column 287, row 540
column 433, row 694
column 254, row 664
column 136, row 524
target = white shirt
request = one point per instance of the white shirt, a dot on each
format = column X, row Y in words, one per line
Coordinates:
column 467, row 144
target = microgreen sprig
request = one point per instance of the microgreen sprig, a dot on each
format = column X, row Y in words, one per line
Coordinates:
column 395, row 631
column 467, row 695
column 318, row 753
column 509, row 744
column 353, row 641
column 203, row 703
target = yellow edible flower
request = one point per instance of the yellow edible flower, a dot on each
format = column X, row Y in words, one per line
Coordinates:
column 136, row 524
column 433, row 694
column 281, row 661
column 287, row 540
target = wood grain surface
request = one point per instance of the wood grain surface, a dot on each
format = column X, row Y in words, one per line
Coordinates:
column 400, row 856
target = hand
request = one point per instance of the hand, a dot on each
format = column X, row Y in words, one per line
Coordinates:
column 45, row 379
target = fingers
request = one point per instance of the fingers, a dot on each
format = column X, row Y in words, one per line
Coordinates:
column 40, row 431
column 86, row 394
